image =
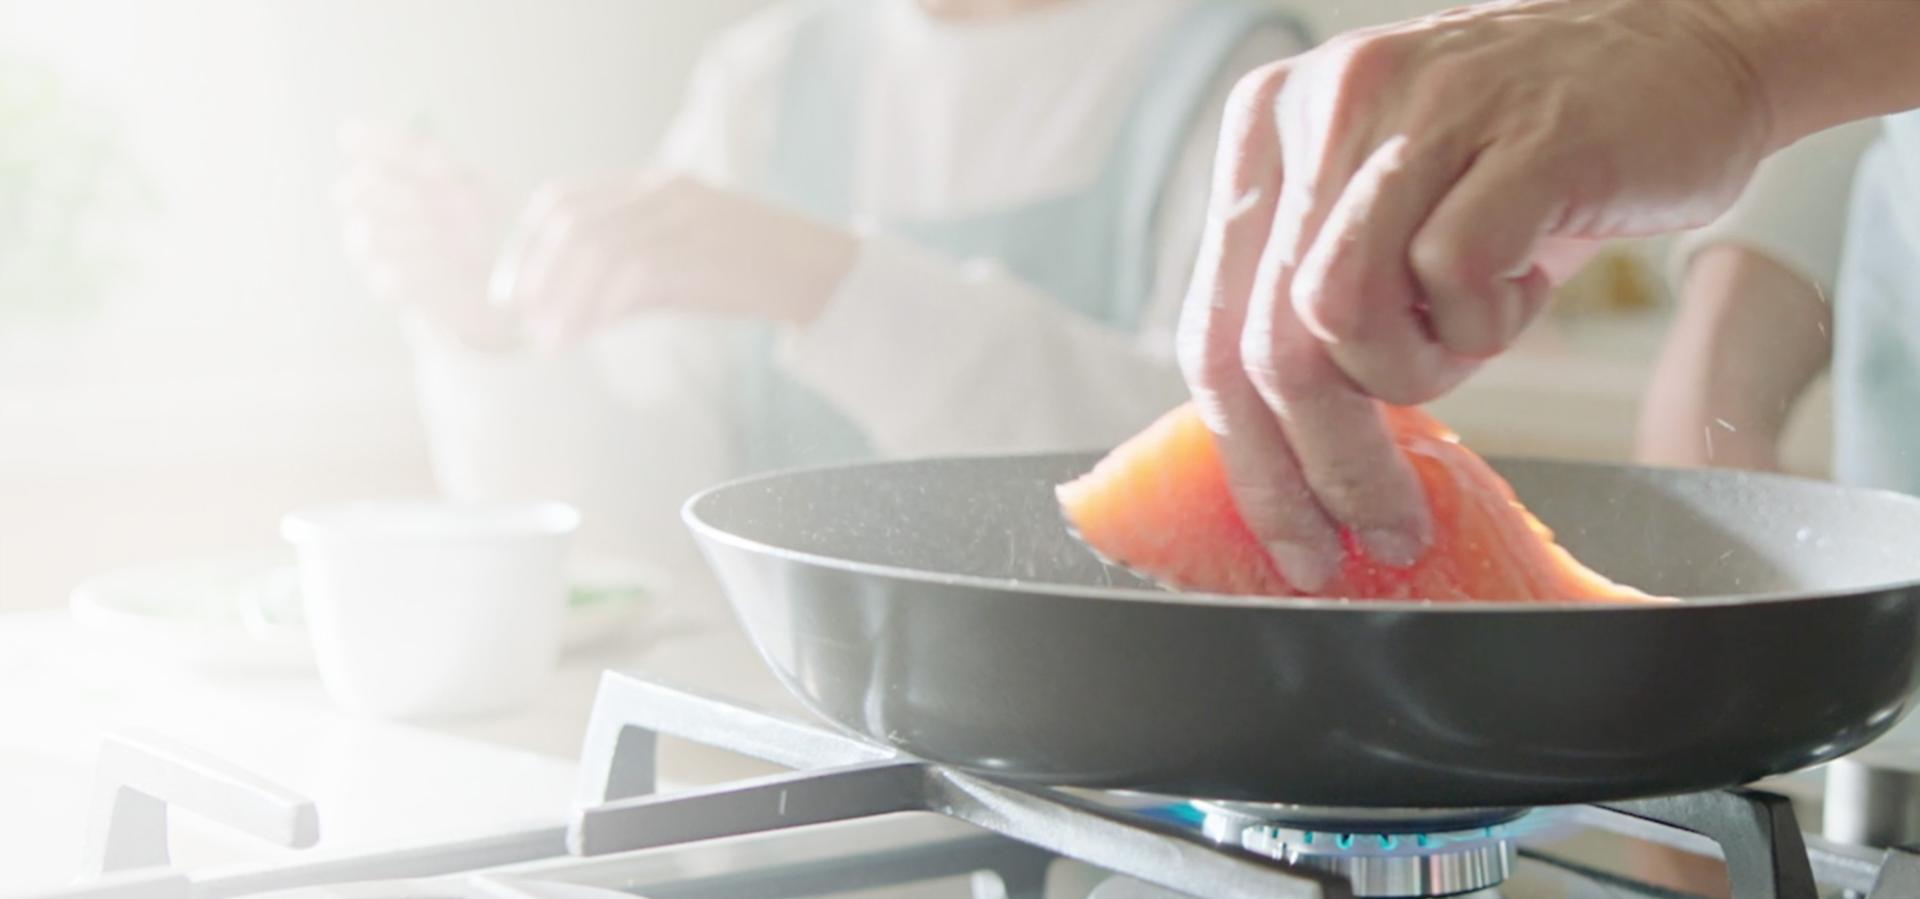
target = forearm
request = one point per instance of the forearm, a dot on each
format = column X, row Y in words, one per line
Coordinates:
column 1749, row 338
column 1821, row 63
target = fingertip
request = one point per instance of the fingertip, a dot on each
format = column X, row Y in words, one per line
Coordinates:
column 1305, row 568
column 1401, row 529
column 1396, row 547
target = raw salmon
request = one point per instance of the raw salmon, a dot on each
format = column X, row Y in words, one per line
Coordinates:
column 1159, row 504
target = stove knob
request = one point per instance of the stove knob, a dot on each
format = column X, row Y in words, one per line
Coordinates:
column 1873, row 798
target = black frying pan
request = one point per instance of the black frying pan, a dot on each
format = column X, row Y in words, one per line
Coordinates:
column 941, row 606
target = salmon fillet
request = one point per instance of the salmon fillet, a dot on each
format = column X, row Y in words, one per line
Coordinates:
column 1160, row 505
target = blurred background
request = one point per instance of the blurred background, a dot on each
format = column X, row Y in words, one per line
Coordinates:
column 184, row 352
column 185, row 355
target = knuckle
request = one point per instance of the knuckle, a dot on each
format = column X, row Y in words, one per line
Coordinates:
column 1278, row 369
column 1443, row 77
column 1337, row 313
column 1257, row 91
column 1369, row 56
column 1206, row 359
column 1445, row 266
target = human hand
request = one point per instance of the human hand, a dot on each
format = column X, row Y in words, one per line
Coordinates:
column 590, row 254
column 422, row 229
column 1393, row 207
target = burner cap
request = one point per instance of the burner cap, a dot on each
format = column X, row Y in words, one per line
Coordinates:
column 1384, row 853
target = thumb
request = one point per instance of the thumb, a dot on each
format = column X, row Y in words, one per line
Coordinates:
column 1561, row 257
column 1477, row 257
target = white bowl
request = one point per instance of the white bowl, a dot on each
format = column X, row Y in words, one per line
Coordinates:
column 429, row 609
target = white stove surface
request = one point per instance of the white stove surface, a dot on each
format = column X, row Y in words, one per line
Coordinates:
column 377, row 784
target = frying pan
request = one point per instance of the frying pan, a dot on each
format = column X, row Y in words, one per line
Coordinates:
column 942, row 607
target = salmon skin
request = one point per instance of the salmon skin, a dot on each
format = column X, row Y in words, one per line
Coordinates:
column 1159, row 504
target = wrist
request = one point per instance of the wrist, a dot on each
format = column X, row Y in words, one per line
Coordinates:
column 1745, row 35
column 1816, row 64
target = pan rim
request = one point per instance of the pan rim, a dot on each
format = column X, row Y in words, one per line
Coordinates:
column 690, row 514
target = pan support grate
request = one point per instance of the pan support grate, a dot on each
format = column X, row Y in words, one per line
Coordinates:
column 839, row 778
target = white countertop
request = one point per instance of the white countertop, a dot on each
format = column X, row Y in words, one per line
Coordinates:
column 376, row 784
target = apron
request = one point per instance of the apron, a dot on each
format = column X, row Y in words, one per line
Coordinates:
column 1091, row 248
column 1876, row 337
column 1876, row 341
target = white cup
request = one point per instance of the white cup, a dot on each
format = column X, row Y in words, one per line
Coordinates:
column 423, row 609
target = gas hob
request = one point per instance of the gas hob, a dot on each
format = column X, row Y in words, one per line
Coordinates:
column 856, row 818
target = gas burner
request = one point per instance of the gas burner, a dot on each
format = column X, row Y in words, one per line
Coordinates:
column 1384, row 853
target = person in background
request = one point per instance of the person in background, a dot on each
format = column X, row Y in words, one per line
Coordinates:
column 876, row 226
column 1754, row 324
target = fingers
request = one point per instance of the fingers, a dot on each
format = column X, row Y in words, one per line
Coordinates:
column 541, row 260
column 1342, row 444
column 1269, row 490
column 579, row 256
column 1339, row 440
column 1477, row 255
column 1410, row 273
column 1356, row 292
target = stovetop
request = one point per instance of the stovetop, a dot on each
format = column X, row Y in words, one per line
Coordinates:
column 856, row 818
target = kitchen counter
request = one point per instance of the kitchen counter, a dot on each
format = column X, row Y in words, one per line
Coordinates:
column 62, row 689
